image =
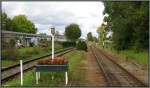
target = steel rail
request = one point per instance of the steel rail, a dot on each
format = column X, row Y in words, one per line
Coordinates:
column 12, row 66
column 114, row 74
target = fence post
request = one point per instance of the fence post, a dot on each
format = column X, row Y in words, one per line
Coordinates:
column 37, row 78
column 39, row 75
column 66, row 76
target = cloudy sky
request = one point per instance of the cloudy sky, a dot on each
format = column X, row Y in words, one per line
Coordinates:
column 88, row 15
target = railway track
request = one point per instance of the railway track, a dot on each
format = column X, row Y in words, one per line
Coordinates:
column 10, row 72
column 115, row 75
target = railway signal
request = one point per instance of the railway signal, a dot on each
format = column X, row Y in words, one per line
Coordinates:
column 52, row 34
column 52, row 30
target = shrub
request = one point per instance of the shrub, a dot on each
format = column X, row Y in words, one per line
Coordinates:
column 5, row 54
column 25, row 53
column 57, row 46
column 44, row 43
column 81, row 45
column 57, row 60
column 8, row 49
column 69, row 44
column 36, row 50
column 11, row 54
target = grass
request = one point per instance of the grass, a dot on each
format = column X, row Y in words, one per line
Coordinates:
column 140, row 57
column 30, row 80
column 75, row 64
column 27, row 54
column 6, row 63
column 74, row 59
column 130, row 54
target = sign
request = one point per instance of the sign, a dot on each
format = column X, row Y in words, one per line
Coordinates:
column 53, row 30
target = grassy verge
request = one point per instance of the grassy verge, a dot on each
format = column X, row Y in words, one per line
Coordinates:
column 27, row 54
column 139, row 57
column 76, row 73
column 74, row 59
column 7, row 63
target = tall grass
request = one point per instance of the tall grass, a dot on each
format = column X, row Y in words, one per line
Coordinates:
column 10, row 58
column 140, row 57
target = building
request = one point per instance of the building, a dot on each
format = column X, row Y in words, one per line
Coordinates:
column 27, row 38
column 60, row 38
column 24, row 38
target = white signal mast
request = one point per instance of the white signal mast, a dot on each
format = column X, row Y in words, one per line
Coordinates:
column 52, row 30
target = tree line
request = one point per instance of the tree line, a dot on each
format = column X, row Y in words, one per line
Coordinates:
column 91, row 38
column 19, row 23
column 129, row 22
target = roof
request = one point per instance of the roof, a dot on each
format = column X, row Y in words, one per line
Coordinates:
column 24, row 34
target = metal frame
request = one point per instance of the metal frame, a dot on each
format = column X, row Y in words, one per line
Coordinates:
column 51, row 68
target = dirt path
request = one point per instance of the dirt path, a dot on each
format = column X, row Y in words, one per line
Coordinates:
column 94, row 76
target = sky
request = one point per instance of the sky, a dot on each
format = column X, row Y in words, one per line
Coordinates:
column 88, row 14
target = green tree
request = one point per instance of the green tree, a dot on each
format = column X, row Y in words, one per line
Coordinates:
column 57, row 33
column 95, row 39
column 102, row 32
column 22, row 24
column 6, row 22
column 72, row 32
column 129, row 23
column 141, row 26
column 81, row 45
column 89, row 36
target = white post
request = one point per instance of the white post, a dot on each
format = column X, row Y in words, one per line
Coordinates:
column 21, row 71
column 52, row 77
column 52, row 52
column 66, row 76
column 36, row 77
column 39, row 75
column 52, row 46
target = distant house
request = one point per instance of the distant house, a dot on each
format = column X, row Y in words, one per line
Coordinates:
column 60, row 38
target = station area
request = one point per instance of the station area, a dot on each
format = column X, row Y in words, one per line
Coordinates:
column 91, row 44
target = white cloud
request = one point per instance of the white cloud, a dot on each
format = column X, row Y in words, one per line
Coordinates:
column 44, row 14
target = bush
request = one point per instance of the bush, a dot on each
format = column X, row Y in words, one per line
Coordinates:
column 37, row 50
column 69, row 44
column 57, row 60
column 58, row 46
column 11, row 54
column 44, row 43
column 81, row 45
column 8, row 49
